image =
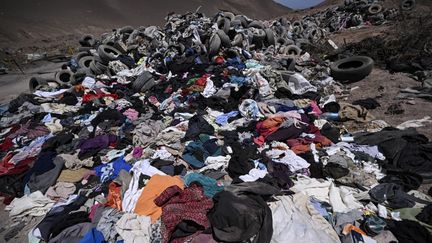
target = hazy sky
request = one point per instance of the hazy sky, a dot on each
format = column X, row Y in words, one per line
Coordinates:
column 299, row 4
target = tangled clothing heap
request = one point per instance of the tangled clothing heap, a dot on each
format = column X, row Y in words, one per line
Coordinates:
column 183, row 208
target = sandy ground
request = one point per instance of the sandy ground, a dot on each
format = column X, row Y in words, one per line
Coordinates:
column 26, row 22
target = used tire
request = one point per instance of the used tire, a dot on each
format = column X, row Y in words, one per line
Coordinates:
column 229, row 15
column 95, row 70
column 238, row 40
column 407, row 4
column 126, row 30
column 256, row 24
column 224, row 24
column 270, row 37
column 87, row 41
column 80, row 55
column 214, row 44
column 108, row 53
column 225, row 41
column 292, row 50
column 84, row 62
column 352, row 69
column 242, row 19
column 143, row 82
column 375, row 8
column 64, row 76
column 35, row 82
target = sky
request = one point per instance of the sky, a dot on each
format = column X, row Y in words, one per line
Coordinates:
column 299, row 4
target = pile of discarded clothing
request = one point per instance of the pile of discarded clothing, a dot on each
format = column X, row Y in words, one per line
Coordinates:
column 207, row 130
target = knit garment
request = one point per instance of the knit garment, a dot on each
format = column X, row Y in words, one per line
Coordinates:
column 180, row 205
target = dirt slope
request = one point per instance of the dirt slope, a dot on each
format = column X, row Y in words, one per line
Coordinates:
column 24, row 22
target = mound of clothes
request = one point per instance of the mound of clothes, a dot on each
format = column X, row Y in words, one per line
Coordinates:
column 239, row 148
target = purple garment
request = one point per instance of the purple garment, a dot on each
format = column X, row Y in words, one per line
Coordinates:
column 137, row 152
column 96, row 143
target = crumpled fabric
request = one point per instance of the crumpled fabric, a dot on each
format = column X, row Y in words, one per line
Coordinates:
column 179, row 206
column 58, row 108
column 111, row 170
column 107, row 224
column 288, row 157
column 61, row 190
column 249, row 109
column 32, row 150
column 415, row 123
column 34, row 204
column 223, row 119
column 130, row 197
column 134, row 228
column 131, row 114
column 296, row 220
column 73, row 162
column 355, row 112
column 114, row 198
column 72, row 234
column 145, row 132
column 154, row 187
column 240, row 213
column 341, row 198
column 210, row 185
column 297, row 84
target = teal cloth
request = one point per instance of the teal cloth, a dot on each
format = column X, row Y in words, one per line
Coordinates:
column 209, row 185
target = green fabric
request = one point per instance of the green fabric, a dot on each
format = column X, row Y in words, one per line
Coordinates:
column 410, row 214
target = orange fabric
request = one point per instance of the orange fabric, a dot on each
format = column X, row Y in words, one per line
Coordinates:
column 349, row 227
column 155, row 186
column 301, row 148
column 114, row 196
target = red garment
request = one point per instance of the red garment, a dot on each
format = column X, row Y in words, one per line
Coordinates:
column 180, row 205
column 90, row 97
column 202, row 81
column 7, row 168
column 267, row 127
column 6, row 145
column 114, row 196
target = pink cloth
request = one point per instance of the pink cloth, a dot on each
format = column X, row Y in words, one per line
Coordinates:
column 131, row 114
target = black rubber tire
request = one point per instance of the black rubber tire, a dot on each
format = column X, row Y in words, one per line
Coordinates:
column 224, row 24
column 94, row 69
column 87, row 41
column 284, row 22
column 214, row 44
column 108, row 53
column 256, row 24
column 101, row 66
column 270, row 37
column 242, row 19
column 81, row 54
column 225, row 40
column 64, row 76
column 235, row 23
column 298, row 29
column 238, row 40
column 259, row 38
column 35, row 82
column 297, row 23
column 375, row 8
column 229, row 15
column 126, row 30
column 407, row 5
column 83, row 49
column 352, row 69
column 141, row 81
column 292, row 50
column 84, row 62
